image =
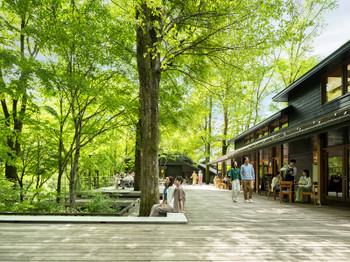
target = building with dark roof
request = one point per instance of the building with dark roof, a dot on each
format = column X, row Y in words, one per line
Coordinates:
column 180, row 165
column 314, row 129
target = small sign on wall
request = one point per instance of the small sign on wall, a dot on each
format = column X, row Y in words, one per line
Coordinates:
column 315, row 158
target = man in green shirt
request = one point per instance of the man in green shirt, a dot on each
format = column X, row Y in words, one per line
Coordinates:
column 235, row 176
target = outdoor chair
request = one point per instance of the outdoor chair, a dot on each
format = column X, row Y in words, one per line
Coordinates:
column 270, row 190
column 313, row 193
column 222, row 186
column 217, row 183
column 286, row 189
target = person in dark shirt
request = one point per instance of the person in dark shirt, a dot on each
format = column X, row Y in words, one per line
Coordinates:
column 235, row 175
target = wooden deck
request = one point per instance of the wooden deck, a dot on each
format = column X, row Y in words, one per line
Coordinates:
column 218, row 230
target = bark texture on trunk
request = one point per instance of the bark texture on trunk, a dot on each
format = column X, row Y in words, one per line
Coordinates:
column 74, row 171
column 137, row 179
column 224, row 131
column 208, row 145
column 148, row 63
column 224, row 140
column 19, row 106
column 60, row 157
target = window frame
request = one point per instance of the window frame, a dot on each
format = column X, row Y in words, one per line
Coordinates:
column 344, row 82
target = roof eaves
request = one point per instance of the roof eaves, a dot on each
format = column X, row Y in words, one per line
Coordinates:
column 280, row 113
column 341, row 116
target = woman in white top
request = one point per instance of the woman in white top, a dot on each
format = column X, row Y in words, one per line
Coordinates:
column 168, row 192
column 275, row 184
column 304, row 185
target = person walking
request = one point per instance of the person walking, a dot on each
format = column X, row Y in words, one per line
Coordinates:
column 194, row 178
column 248, row 178
column 200, row 178
column 235, row 176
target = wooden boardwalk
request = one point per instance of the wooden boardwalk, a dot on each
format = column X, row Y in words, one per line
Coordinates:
column 218, row 230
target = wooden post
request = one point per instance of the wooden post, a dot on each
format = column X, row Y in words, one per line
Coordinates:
column 256, row 168
column 320, row 170
column 281, row 156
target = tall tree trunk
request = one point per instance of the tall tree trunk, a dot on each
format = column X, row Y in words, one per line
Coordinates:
column 224, row 131
column 224, row 140
column 77, row 138
column 13, row 141
column 137, row 179
column 208, row 145
column 60, row 157
column 74, row 171
column 149, row 65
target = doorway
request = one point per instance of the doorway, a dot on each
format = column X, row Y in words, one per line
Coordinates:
column 336, row 175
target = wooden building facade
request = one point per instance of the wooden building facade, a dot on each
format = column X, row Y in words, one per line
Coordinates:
column 314, row 129
column 180, row 165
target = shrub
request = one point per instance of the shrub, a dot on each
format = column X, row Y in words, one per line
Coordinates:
column 99, row 203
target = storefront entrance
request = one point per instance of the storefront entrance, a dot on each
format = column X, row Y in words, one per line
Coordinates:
column 336, row 174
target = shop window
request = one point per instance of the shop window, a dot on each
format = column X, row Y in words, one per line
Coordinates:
column 334, row 87
column 279, row 125
column 261, row 132
column 274, row 127
column 336, row 83
column 249, row 139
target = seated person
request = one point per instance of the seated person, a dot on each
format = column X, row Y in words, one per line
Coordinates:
column 126, row 180
column 117, row 180
column 168, row 192
column 132, row 176
column 275, row 184
column 225, row 180
column 304, row 185
column 177, row 203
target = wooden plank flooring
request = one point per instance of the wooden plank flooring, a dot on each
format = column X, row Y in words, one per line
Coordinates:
column 218, row 230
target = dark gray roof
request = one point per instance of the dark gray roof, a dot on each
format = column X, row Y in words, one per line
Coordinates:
column 267, row 121
column 211, row 170
column 325, row 65
column 335, row 119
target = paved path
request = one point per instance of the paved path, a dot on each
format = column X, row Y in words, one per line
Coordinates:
column 218, row 230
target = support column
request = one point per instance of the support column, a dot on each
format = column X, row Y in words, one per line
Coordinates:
column 320, row 170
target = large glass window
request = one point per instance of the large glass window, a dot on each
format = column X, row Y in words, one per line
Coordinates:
column 335, row 171
column 334, row 87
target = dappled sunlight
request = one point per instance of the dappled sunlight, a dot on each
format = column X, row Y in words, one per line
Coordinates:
column 218, row 230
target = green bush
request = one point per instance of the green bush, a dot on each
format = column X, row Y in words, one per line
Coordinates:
column 99, row 203
column 9, row 196
column 45, row 202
